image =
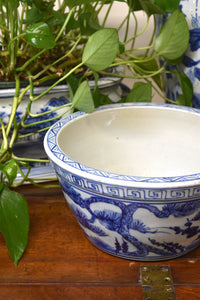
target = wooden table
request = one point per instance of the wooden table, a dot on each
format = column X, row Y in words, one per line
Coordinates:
column 60, row 263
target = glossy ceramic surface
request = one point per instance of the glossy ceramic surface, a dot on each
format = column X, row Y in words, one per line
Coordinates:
column 131, row 175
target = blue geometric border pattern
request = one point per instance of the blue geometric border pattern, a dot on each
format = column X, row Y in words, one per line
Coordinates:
column 129, row 193
column 51, row 139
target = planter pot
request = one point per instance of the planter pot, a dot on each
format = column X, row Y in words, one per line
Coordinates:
column 191, row 61
column 132, row 182
column 58, row 96
column 32, row 146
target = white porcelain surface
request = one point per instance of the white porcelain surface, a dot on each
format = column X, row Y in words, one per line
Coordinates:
column 135, row 141
column 131, row 175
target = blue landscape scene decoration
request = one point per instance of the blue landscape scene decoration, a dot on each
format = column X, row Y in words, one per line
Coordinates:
column 116, row 222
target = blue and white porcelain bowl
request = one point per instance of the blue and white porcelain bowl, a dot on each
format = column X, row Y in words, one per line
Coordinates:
column 131, row 175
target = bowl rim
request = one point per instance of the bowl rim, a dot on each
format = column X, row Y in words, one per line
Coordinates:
column 58, row 157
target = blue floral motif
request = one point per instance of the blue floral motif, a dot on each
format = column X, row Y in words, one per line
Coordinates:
column 56, row 102
column 3, row 116
column 189, row 230
column 196, row 100
column 189, row 62
column 125, row 227
column 108, row 218
column 123, row 247
column 180, row 209
column 197, row 73
column 169, row 246
column 82, row 219
column 52, row 116
column 31, row 120
column 140, row 226
column 51, row 104
column 194, row 39
column 197, row 217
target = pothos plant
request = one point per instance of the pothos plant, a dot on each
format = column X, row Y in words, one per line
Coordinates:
column 40, row 41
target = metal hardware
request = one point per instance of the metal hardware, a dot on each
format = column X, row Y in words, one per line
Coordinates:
column 157, row 282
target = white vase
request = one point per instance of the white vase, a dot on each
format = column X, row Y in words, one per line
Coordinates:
column 191, row 60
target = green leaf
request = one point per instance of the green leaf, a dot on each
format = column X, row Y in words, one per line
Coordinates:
column 121, row 48
column 141, row 92
column 168, row 5
column 187, row 90
column 10, row 170
column 73, row 3
column 101, row 49
column 150, row 8
column 83, row 99
column 56, row 19
column 153, row 6
column 40, row 36
column 29, row 2
column 1, row 186
column 72, row 82
column 100, row 99
column 148, row 67
column 33, row 15
column 134, row 5
column 14, row 222
column 173, row 39
column 72, row 24
column 14, row 3
column 87, row 25
column 180, row 100
column 44, row 5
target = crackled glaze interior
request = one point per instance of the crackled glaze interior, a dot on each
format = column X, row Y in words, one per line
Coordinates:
column 137, row 141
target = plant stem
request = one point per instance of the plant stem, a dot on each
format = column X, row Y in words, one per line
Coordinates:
column 42, row 185
column 14, row 107
column 152, row 74
column 22, row 68
column 57, row 61
column 4, row 145
column 48, row 112
column 65, row 23
column 152, row 36
column 13, row 13
column 127, row 26
column 107, row 13
column 46, row 120
column 135, row 31
column 139, row 33
column 58, row 81
column 24, row 159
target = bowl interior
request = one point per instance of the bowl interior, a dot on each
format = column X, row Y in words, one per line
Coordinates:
column 137, row 141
